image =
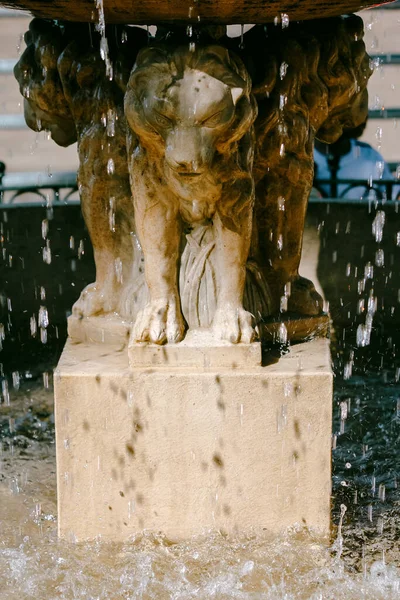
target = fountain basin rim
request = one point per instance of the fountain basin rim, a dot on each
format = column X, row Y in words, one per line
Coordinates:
column 175, row 11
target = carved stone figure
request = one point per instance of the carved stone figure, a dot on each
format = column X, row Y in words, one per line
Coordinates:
column 39, row 81
column 192, row 113
column 216, row 139
column 310, row 81
column 66, row 89
column 96, row 104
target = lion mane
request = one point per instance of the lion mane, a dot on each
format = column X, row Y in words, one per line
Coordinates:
column 168, row 65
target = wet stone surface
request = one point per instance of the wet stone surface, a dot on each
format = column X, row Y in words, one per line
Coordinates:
column 364, row 563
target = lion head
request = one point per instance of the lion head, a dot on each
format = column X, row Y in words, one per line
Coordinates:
column 187, row 106
column 45, row 105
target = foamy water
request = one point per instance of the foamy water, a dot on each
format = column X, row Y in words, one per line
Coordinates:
column 34, row 564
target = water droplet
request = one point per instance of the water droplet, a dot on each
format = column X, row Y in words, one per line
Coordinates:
column 368, row 271
column 47, row 253
column 378, row 225
column 110, row 166
column 382, row 492
column 118, row 270
column 43, row 317
column 111, row 215
column 282, row 334
column 46, row 380
column 16, row 380
column 33, row 326
column 81, row 249
column 5, row 392
column 45, row 228
column 380, row 258
column 284, row 20
column 110, row 122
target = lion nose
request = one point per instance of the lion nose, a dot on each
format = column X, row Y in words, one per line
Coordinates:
column 188, row 166
column 184, row 166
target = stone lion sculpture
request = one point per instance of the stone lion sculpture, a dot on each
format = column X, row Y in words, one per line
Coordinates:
column 309, row 80
column 40, row 84
column 63, row 80
column 214, row 141
column 190, row 161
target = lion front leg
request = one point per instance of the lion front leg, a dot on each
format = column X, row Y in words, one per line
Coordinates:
column 159, row 229
column 231, row 321
column 108, row 224
column 282, row 208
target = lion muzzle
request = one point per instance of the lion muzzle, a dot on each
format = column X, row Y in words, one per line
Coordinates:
column 187, row 152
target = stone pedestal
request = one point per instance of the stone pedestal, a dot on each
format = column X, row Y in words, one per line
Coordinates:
column 187, row 449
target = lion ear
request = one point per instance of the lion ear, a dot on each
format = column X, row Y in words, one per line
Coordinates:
column 236, row 92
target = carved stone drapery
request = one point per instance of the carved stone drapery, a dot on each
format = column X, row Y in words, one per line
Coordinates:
column 213, row 140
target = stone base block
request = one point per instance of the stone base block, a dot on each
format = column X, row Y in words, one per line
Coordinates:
column 198, row 349
column 294, row 328
column 183, row 451
column 104, row 329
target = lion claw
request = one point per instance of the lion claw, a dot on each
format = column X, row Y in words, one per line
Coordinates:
column 159, row 322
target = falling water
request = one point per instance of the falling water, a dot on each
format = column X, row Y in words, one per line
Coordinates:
column 101, row 28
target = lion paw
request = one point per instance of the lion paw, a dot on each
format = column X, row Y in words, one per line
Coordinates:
column 159, row 322
column 304, row 298
column 92, row 301
column 234, row 324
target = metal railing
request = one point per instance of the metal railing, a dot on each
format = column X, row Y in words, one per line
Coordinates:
column 39, row 187
column 359, row 191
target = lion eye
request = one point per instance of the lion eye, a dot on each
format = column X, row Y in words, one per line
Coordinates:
column 212, row 121
column 161, row 119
